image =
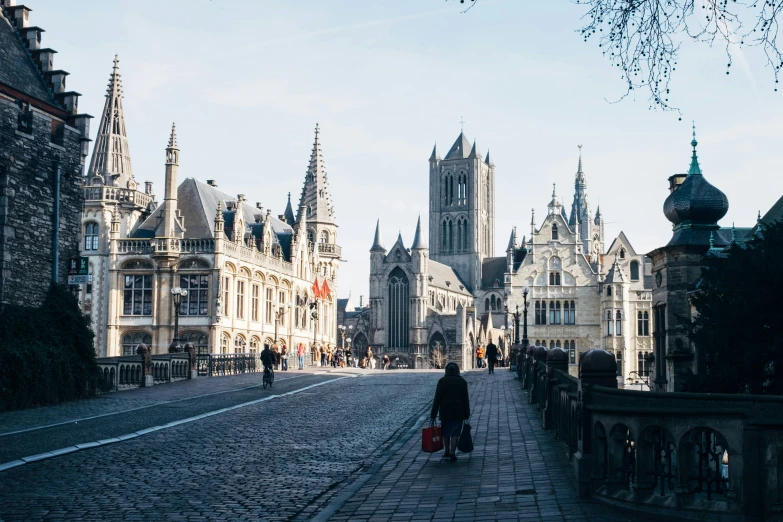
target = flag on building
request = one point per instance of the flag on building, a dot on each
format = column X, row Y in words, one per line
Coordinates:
column 325, row 290
column 315, row 289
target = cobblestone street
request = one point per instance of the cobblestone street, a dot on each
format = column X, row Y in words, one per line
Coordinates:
column 326, row 445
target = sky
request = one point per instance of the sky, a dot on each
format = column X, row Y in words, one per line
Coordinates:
column 247, row 80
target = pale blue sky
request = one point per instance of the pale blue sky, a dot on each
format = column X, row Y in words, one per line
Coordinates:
column 246, row 81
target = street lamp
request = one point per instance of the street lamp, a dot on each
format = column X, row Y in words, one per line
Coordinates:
column 342, row 329
column 177, row 294
column 348, row 362
column 506, row 340
column 524, row 324
column 314, row 317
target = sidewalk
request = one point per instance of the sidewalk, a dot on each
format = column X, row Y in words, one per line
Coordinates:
column 516, row 472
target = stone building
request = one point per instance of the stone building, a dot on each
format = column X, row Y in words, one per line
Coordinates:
column 249, row 276
column 43, row 144
column 456, row 294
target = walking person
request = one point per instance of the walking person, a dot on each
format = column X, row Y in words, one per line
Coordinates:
column 323, row 356
column 300, row 353
column 284, row 358
column 492, row 356
column 453, row 404
column 480, row 357
column 386, row 361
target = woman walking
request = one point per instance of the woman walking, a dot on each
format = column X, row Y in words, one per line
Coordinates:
column 451, row 400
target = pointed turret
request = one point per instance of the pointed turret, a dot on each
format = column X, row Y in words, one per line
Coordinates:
column 111, row 157
column 487, row 160
column 418, row 240
column 474, row 153
column 377, row 244
column 289, row 211
column 598, row 217
column 694, row 168
column 399, row 240
column 512, row 242
column 170, row 197
column 315, row 192
column 435, row 156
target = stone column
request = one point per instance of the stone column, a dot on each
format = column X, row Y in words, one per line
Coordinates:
column 556, row 359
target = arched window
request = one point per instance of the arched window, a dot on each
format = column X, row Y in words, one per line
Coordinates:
column 618, row 323
column 324, row 236
column 448, row 235
column 131, row 341
column 566, row 312
column 557, row 313
column 643, row 323
column 552, row 312
column 622, row 253
column 643, row 365
column 619, row 357
column 554, row 232
column 609, row 325
column 572, row 313
column 448, row 190
column 398, row 309
column 91, row 236
column 239, row 344
column 254, row 343
column 310, row 236
column 224, row 341
column 554, row 278
column 609, row 291
column 486, row 305
column 634, row 270
column 572, row 353
column 551, row 345
column 493, row 303
column 557, row 344
column 198, row 339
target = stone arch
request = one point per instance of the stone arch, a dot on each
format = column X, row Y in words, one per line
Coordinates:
column 656, row 460
column 193, row 263
column 702, row 451
column 621, row 456
column 359, row 344
column 244, row 272
column 600, row 456
column 137, row 264
column 259, row 276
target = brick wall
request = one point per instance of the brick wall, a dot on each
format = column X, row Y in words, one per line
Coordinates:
column 27, row 185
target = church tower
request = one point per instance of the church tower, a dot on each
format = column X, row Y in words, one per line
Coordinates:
column 462, row 209
column 580, row 210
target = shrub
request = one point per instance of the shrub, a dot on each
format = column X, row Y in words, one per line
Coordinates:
column 46, row 353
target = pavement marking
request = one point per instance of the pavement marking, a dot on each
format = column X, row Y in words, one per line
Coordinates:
column 72, row 421
column 86, row 445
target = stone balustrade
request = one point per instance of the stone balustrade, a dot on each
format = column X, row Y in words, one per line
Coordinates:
column 255, row 256
column 151, row 246
column 689, row 455
column 120, row 195
column 330, row 250
column 145, row 369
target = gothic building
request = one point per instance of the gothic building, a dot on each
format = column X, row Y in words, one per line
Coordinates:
column 455, row 294
column 249, row 276
column 43, row 144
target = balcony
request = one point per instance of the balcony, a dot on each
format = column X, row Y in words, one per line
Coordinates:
column 330, row 250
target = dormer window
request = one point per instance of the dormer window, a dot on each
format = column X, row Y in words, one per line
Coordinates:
column 25, row 121
column 554, row 232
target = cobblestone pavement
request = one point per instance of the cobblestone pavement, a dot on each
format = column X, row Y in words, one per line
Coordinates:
column 346, row 449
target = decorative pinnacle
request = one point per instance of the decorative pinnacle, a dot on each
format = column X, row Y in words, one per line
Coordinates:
column 694, row 168
column 115, row 80
column 173, row 137
column 579, row 169
column 554, row 192
column 694, row 142
column 712, row 240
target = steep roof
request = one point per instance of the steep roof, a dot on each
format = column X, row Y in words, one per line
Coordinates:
column 289, row 212
column 111, row 155
column 461, row 148
column 418, row 240
column 377, row 244
column 493, row 269
column 17, row 69
column 315, row 191
column 440, row 274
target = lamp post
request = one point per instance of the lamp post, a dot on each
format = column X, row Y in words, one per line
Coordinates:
column 314, row 317
column 524, row 324
column 342, row 329
column 177, row 294
column 280, row 312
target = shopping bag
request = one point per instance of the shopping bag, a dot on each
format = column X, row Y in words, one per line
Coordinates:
column 465, row 443
column 431, row 439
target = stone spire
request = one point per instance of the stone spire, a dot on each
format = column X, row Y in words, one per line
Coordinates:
column 315, row 192
column 418, row 241
column 111, row 156
column 289, row 212
column 435, row 155
column 170, row 196
column 512, row 242
column 487, row 160
column 377, row 244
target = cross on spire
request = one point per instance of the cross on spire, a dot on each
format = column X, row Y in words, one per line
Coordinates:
column 461, row 124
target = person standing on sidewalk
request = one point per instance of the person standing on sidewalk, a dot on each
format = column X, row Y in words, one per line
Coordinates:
column 300, row 353
column 453, row 404
column 480, row 357
column 323, row 356
column 492, row 356
column 284, row 358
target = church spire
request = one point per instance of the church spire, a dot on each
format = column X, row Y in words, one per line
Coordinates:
column 111, row 156
column 315, row 192
column 418, row 240
column 435, row 155
column 694, row 168
column 289, row 212
column 377, row 244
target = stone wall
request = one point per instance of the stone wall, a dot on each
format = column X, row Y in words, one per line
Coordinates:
column 27, row 188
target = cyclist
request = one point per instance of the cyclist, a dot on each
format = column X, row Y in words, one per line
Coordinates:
column 267, row 359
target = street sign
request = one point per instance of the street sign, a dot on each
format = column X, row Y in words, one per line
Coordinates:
column 79, row 279
column 78, row 266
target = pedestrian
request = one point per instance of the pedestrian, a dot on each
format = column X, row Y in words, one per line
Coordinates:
column 386, row 361
column 452, row 402
column 323, row 356
column 480, row 357
column 300, row 353
column 284, row 358
column 339, row 356
column 276, row 354
column 348, row 357
column 492, row 356
column 330, row 356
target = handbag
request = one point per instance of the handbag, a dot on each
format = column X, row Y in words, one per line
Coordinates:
column 431, row 439
column 465, row 443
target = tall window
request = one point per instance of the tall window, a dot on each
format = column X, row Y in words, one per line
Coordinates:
column 239, row 344
column 254, row 302
column 554, row 278
column 569, row 312
column 281, row 300
column 643, row 365
column 448, row 190
column 224, row 343
column 554, row 232
column 572, row 352
column 622, row 253
column 619, row 357
column 195, row 303
column 618, row 323
column 462, row 189
column 132, row 340
column 462, row 235
column 254, row 342
column 324, row 236
column 310, row 236
column 540, row 312
column 197, row 339
column 398, row 309
column 91, row 236
column 240, row 299
column 609, row 291
column 226, row 290
column 269, row 309
column 634, row 270
column 448, row 235
column 137, row 295
column 554, row 312
column 609, row 324
column 643, row 323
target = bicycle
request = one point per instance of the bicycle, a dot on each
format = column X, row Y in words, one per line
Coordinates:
column 269, row 377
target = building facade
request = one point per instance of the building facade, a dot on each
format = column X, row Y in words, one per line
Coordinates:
column 43, row 145
column 250, row 277
column 581, row 295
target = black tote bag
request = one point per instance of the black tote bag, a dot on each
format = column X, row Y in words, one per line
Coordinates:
column 465, row 443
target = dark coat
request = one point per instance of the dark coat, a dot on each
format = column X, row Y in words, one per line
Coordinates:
column 492, row 352
column 451, row 398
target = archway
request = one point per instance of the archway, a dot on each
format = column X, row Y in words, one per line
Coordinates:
column 437, row 350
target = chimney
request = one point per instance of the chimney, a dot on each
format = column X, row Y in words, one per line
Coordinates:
column 241, row 198
column 259, row 206
column 44, row 58
column 31, row 36
column 281, row 217
column 211, row 183
column 19, row 14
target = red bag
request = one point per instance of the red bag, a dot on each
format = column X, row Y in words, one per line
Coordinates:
column 431, row 439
